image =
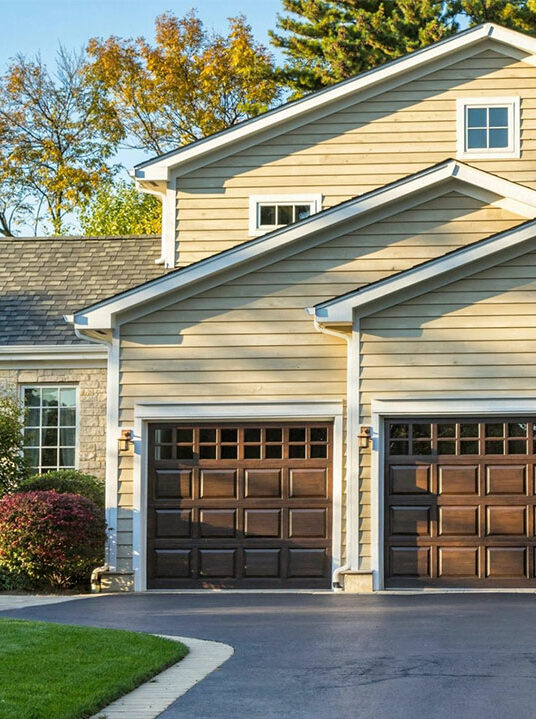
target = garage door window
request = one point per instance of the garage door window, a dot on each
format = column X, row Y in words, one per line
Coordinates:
column 463, row 438
column 241, row 443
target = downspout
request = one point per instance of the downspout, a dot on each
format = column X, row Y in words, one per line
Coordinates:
column 111, row 436
column 335, row 583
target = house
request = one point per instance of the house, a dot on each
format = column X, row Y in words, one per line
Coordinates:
column 325, row 373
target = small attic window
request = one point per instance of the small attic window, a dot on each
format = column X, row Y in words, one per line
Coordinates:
column 271, row 212
column 488, row 127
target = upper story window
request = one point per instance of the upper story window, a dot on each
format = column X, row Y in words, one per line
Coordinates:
column 270, row 212
column 488, row 127
column 50, row 430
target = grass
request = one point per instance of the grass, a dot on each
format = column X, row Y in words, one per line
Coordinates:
column 56, row 671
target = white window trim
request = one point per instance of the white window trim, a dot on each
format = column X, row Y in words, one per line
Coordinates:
column 60, row 385
column 414, row 407
column 514, row 126
column 281, row 411
column 314, row 199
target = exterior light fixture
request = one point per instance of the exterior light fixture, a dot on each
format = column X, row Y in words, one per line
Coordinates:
column 364, row 436
column 125, row 439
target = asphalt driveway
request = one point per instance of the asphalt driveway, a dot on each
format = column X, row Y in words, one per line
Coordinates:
column 322, row 656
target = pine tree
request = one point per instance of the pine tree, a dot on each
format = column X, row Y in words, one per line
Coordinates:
column 517, row 14
column 330, row 40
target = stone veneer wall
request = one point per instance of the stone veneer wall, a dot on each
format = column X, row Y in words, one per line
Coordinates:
column 92, row 401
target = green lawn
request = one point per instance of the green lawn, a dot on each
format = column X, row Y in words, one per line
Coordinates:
column 55, row 671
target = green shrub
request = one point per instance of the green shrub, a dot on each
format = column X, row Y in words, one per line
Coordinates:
column 69, row 481
column 12, row 463
column 50, row 539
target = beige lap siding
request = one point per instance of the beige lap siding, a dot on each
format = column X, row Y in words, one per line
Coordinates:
column 250, row 338
column 354, row 150
column 472, row 338
column 91, row 384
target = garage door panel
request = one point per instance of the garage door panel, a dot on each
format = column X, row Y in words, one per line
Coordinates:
column 458, row 562
column 458, row 480
column 262, row 483
column 173, row 562
column 262, row 522
column 405, row 520
column 311, row 523
column 309, row 483
column 476, row 525
column 410, row 479
column 506, row 520
column 239, row 505
column 410, row 561
column 455, row 520
column 508, row 562
column 173, row 484
column 262, row 563
column 217, row 563
column 501, row 479
column 217, row 523
column 307, row 562
column 218, row 484
column 173, row 523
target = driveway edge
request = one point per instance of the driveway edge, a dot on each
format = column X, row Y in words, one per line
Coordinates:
column 150, row 699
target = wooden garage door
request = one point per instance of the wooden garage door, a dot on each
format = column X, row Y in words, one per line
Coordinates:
column 244, row 505
column 460, row 502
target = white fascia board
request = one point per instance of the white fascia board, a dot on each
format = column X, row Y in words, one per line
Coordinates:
column 103, row 315
column 341, row 311
column 498, row 185
column 158, row 168
column 10, row 353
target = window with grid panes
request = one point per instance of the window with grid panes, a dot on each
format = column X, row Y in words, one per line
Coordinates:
column 50, row 427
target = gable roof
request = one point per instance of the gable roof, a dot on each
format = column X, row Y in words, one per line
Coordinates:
column 41, row 278
column 157, row 169
column 426, row 276
column 103, row 315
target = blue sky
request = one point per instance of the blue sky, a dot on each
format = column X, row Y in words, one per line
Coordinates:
column 29, row 26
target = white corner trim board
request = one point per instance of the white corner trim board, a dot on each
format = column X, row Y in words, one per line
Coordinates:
column 158, row 168
column 282, row 411
column 149, row 700
column 415, row 407
column 422, row 278
column 106, row 314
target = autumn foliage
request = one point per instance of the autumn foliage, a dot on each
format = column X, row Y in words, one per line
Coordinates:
column 189, row 84
column 49, row 539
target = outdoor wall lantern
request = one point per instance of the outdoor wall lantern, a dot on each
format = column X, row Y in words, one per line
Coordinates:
column 364, row 436
column 125, row 439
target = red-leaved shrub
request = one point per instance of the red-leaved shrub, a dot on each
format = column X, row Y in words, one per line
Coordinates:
column 50, row 539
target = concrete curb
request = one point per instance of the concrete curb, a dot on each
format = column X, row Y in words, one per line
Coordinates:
column 150, row 699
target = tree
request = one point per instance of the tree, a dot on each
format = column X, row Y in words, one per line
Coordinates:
column 12, row 463
column 117, row 208
column 517, row 14
column 188, row 85
column 55, row 137
column 15, row 208
column 326, row 41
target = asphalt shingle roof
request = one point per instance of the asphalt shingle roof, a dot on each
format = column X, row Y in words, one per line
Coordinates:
column 41, row 279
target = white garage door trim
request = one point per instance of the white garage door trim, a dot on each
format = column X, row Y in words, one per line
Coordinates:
column 412, row 407
column 324, row 410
